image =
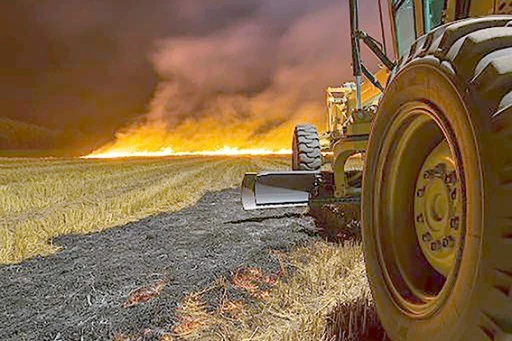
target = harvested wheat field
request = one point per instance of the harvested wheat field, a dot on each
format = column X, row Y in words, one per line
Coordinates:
column 44, row 198
column 160, row 249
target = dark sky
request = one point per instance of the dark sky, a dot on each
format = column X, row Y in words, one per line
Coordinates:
column 88, row 64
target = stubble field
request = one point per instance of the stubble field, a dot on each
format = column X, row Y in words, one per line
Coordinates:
column 229, row 274
column 41, row 199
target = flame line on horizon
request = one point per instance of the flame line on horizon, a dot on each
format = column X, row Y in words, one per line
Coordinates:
column 225, row 151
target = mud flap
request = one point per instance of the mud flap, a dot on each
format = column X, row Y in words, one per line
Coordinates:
column 278, row 189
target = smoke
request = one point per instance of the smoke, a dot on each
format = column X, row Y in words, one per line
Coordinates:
column 258, row 70
column 206, row 73
column 88, row 68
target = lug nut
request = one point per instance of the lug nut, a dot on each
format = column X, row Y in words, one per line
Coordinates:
column 420, row 218
column 445, row 242
column 454, row 223
column 450, row 178
column 426, row 237
column 434, row 246
column 448, row 242
column 453, row 194
column 420, row 192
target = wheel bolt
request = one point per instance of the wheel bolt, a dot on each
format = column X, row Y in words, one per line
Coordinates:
column 426, row 237
column 445, row 242
column 448, row 242
column 420, row 192
column 426, row 175
column 434, row 246
column 454, row 223
column 453, row 194
column 420, row 218
column 450, row 178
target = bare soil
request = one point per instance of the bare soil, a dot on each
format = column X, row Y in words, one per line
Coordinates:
column 79, row 292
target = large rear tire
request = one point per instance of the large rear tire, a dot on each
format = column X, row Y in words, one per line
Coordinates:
column 437, row 188
column 306, row 154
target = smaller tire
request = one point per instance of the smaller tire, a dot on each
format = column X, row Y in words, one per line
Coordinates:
column 306, row 155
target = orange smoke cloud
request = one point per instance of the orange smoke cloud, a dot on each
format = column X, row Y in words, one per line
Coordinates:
column 242, row 88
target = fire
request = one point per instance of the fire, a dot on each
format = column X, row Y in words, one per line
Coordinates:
column 189, row 139
column 218, row 93
column 224, row 151
column 240, row 86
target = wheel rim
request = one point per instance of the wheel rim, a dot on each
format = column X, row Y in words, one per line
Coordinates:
column 419, row 209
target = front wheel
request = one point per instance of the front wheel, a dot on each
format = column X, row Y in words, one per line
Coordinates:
column 437, row 188
column 306, row 153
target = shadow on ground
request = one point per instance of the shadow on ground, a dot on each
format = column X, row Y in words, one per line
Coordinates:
column 79, row 292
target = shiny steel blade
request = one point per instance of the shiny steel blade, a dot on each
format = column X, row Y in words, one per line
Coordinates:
column 277, row 189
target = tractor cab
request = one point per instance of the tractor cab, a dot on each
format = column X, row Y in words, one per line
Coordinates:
column 412, row 19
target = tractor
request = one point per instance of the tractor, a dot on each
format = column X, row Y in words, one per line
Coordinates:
column 434, row 130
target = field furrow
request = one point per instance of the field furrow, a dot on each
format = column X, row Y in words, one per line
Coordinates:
column 85, row 168
column 61, row 187
column 42, row 199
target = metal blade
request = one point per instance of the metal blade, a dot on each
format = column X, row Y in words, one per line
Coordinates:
column 248, row 194
column 277, row 189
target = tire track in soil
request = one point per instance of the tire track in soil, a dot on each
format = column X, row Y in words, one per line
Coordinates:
column 78, row 292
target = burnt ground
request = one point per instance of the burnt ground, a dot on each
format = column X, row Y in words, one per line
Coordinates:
column 78, row 293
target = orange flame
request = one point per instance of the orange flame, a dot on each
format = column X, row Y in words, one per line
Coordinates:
column 224, row 151
column 200, row 138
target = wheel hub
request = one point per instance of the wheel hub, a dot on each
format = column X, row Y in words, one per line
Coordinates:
column 437, row 209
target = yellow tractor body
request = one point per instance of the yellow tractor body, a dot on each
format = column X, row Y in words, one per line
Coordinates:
column 435, row 131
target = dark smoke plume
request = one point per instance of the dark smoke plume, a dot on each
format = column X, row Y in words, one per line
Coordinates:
column 258, row 66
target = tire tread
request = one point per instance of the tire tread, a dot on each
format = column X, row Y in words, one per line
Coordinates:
column 307, row 150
